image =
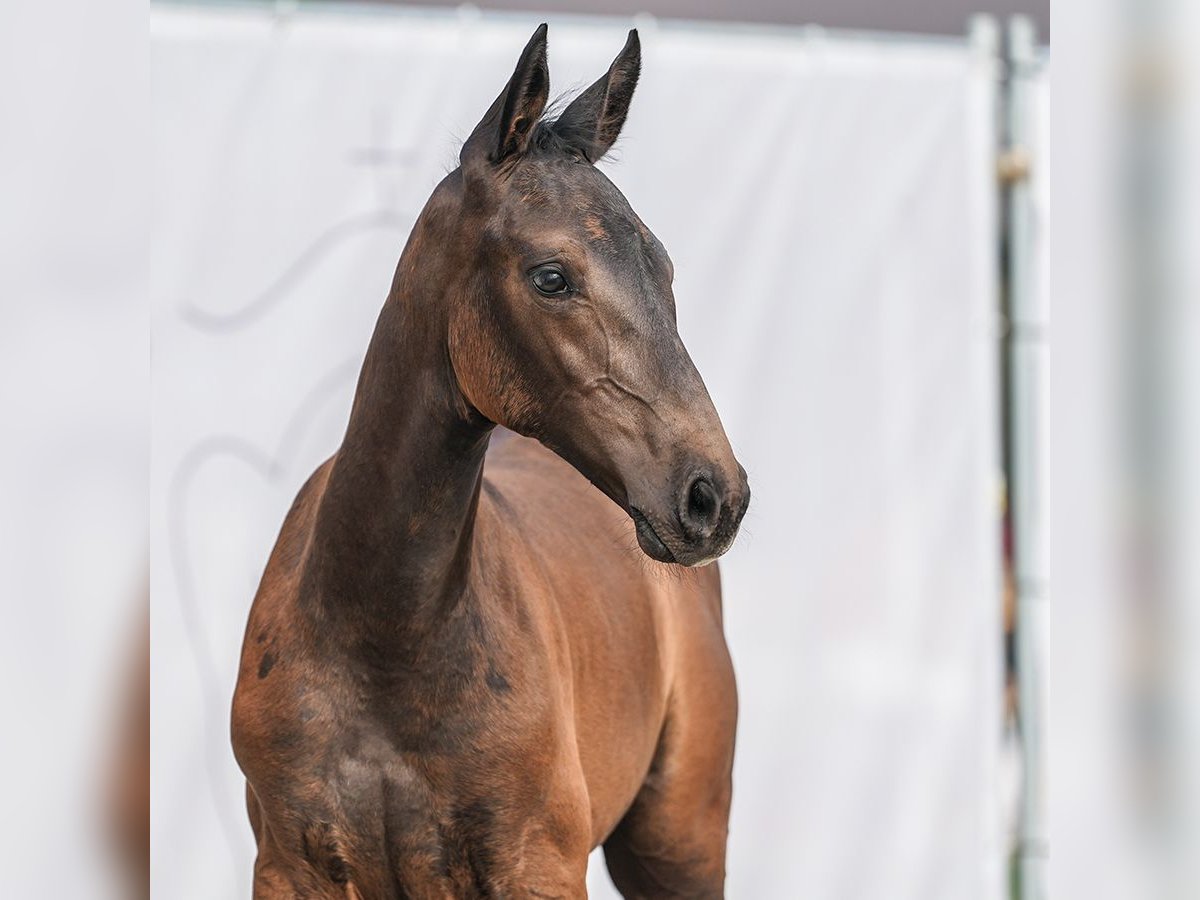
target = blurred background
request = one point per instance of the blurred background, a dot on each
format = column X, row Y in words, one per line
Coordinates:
column 834, row 204
column 959, row 441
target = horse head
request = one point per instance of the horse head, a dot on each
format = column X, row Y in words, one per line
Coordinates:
column 564, row 325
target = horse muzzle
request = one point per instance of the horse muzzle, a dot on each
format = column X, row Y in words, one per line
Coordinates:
column 701, row 522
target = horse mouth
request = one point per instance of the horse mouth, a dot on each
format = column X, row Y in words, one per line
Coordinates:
column 652, row 545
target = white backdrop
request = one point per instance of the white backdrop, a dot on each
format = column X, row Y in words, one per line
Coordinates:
column 828, row 202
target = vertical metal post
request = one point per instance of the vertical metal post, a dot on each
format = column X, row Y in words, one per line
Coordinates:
column 1027, row 368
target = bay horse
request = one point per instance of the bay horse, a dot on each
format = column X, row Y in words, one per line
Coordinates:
column 459, row 675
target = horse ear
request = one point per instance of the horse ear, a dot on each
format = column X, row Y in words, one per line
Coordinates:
column 594, row 119
column 508, row 124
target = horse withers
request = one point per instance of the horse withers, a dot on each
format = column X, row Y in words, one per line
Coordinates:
column 460, row 675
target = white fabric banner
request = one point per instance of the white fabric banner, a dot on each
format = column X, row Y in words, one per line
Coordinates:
column 829, row 205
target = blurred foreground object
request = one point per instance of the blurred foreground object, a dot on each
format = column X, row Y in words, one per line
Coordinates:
column 129, row 780
column 73, row 448
column 1124, row 481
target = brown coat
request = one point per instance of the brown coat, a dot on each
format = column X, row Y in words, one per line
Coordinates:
column 460, row 673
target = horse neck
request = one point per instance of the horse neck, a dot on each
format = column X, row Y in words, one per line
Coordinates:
column 392, row 539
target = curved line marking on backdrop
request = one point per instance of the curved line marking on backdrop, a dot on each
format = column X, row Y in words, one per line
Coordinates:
column 325, row 243
column 271, row 467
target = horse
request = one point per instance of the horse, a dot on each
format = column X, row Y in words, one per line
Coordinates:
column 489, row 637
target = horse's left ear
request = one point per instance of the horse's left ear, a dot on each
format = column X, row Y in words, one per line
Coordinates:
column 594, row 119
column 507, row 126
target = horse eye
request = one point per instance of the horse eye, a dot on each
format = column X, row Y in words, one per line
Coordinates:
column 550, row 281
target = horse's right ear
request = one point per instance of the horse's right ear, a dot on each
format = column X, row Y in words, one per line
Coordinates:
column 506, row 128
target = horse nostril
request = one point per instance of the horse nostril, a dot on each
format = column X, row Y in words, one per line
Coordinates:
column 702, row 509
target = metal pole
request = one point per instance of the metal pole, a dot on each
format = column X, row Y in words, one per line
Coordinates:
column 1028, row 363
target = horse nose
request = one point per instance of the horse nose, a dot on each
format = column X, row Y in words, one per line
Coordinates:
column 700, row 508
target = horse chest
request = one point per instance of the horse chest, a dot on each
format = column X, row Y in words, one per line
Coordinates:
column 378, row 797
column 383, row 828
